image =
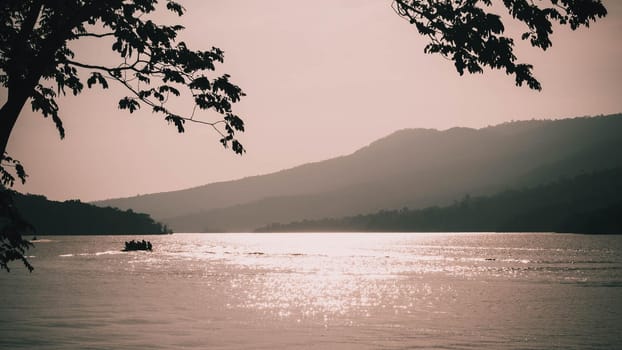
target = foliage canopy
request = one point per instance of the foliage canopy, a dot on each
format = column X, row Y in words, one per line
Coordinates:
column 471, row 34
column 37, row 62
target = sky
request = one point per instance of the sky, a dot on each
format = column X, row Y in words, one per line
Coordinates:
column 323, row 78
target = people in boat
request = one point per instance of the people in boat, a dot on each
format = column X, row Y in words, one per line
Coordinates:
column 138, row 245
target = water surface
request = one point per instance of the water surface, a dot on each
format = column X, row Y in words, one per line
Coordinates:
column 335, row 291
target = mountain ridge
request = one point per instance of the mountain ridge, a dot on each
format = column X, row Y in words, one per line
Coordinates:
column 410, row 167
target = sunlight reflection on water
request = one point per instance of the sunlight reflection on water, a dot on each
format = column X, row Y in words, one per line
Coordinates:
column 326, row 276
column 344, row 290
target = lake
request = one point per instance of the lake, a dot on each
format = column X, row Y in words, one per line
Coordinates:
column 325, row 291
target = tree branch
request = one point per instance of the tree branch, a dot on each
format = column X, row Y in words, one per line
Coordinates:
column 107, row 69
column 166, row 111
column 94, row 35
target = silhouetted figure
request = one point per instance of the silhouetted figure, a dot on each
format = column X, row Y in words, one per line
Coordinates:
column 137, row 245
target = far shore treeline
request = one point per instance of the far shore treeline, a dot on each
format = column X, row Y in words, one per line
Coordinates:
column 73, row 217
column 589, row 203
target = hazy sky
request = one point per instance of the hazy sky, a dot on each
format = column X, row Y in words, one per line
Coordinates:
column 323, row 78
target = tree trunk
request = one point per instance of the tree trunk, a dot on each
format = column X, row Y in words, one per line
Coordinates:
column 8, row 116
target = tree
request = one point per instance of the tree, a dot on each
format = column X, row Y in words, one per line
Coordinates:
column 37, row 63
column 12, row 227
column 468, row 33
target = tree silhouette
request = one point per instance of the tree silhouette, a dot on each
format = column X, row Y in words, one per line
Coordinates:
column 37, row 64
column 470, row 34
column 12, row 226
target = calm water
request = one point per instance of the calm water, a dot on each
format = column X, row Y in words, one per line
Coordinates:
column 333, row 291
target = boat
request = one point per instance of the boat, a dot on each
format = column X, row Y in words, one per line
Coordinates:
column 137, row 245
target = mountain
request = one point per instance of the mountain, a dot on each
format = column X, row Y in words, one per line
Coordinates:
column 414, row 168
column 76, row 218
column 588, row 203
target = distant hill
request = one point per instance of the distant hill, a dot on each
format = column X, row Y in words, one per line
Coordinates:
column 588, row 203
column 414, row 168
column 76, row 218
